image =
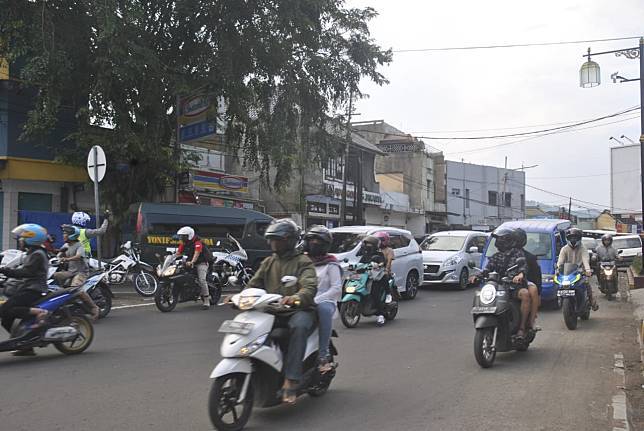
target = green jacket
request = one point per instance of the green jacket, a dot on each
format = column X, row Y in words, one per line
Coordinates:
column 273, row 268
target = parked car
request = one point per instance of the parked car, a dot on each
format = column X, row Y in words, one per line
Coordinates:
column 408, row 262
column 446, row 256
column 630, row 245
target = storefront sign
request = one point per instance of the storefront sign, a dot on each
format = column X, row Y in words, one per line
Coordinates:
column 335, row 190
column 219, row 182
column 197, row 117
column 316, row 207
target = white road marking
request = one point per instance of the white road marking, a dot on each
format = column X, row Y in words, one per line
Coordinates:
column 120, row 307
column 620, row 407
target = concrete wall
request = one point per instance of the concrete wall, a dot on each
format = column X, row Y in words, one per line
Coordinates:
column 625, row 184
column 391, row 182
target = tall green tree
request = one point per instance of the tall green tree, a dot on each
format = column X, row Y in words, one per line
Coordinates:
column 285, row 68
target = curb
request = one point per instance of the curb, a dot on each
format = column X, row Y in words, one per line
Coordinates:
column 637, row 299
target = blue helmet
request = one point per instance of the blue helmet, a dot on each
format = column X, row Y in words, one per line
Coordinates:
column 73, row 232
column 32, row 234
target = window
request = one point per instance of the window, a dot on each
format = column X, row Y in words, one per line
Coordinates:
column 405, row 240
column 456, row 192
column 522, row 202
column 631, row 242
column 34, row 201
column 333, row 170
column 508, row 200
column 478, row 242
column 467, row 198
column 443, row 243
column 429, row 189
column 491, row 198
column 539, row 244
column 395, row 241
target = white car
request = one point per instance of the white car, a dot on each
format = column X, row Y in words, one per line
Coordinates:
column 630, row 246
column 446, row 256
column 407, row 265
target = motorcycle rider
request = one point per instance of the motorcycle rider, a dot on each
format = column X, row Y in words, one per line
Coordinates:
column 191, row 246
column 506, row 257
column 74, row 254
column 371, row 252
column 283, row 236
column 80, row 220
column 389, row 255
column 575, row 252
column 606, row 252
column 33, row 271
column 533, row 275
column 317, row 241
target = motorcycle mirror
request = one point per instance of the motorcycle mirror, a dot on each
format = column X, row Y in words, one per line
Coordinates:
column 289, row 280
column 620, row 251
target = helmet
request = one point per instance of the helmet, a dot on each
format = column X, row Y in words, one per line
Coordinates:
column 32, row 234
column 520, row 238
column 371, row 240
column 73, row 232
column 383, row 237
column 186, row 232
column 321, row 233
column 573, row 235
column 607, row 239
column 80, row 219
column 284, row 228
column 505, row 238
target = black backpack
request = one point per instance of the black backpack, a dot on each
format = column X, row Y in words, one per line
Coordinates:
column 207, row 253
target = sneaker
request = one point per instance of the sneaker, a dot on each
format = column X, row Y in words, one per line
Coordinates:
column 388, row 299
column 380, row 320
column 206, row 303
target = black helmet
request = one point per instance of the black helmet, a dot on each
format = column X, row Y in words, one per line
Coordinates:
column 505, row 238
column 520, row 238
column 321, row 233
column 573, row 235
column 284, row 229
column 607, row 239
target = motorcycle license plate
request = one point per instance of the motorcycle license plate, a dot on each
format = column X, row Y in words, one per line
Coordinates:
column 566, row 292
column 235, row 327
column 483, row 310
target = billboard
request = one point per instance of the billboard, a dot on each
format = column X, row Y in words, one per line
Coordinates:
column 216, row 181
column 625, row 179
column 197, row 119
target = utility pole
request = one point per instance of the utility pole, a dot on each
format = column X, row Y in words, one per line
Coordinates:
column 569, row 209
column 464, row 194
column 343, row 202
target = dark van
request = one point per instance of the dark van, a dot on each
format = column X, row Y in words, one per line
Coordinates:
column 154, row 226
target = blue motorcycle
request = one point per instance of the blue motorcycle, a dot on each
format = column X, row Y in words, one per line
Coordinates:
column 96, row 288
column 573, row 289
column 357, row 300
column 66, row 326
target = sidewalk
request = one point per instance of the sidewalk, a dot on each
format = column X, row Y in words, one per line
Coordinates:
column 637, row 298
column 636, row 381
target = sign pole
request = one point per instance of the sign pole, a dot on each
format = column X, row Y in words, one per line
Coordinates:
column 97, row 206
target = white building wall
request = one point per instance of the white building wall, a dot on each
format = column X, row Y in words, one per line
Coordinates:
column 625, row 181
column 480, row 180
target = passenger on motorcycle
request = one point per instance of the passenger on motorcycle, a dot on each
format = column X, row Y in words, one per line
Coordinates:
column 283, row 236
column 33, row 272
column 74, row 255
column 606, row 252
column 317, row 242
column 371, row 253
column 575, row 252
column 192, row 247
column 506, row 257
column 389, row 255
column 533, row 275
column 80, row 220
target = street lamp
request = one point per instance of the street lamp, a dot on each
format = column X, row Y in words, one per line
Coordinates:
column 589, row 77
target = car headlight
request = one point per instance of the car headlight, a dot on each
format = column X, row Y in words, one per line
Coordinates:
column 453, row 261
column 252, row 347
column 170, row 271
column 247, row 302
column 488, row 294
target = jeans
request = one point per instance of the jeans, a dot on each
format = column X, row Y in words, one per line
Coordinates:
column 202, row 273
column 17, row 307
column 326, row 310
column 300, row 325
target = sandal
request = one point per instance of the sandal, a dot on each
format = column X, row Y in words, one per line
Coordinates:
column 289, row 396
column 324, row 366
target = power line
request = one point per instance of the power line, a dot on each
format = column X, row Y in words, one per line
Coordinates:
column 516, row 45
column 585, row 176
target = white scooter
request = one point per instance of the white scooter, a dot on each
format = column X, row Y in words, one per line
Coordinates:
column 251, row 371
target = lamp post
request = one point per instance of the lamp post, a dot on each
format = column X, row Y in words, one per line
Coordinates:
column 589, row 76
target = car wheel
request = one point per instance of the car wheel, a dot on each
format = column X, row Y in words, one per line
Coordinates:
column 411, row 286
column 463, row 279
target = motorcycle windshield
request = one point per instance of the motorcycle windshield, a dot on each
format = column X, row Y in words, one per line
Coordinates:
column 569, row 268
column 169, row 260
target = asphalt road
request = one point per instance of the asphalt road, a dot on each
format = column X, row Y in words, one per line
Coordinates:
column 149, row 371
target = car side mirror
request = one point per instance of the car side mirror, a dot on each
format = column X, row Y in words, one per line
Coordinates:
column 473, row 249
column 620, row 251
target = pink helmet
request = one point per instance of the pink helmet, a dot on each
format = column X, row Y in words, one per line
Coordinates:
column 383, row 237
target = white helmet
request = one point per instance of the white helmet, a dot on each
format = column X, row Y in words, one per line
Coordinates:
column 80, row 219
column 187, row 231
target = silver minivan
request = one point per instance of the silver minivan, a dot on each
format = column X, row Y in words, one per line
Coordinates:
column 446, row 256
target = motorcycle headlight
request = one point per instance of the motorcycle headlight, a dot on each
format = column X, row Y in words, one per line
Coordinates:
column 350, row 289
column 247, row 302
column 488, row 294
column 170, row 271
column 609, row 272
column 565, row 283
column 453, row 261
column 251, row 347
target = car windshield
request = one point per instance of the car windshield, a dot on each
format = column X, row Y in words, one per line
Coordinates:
column 443, row 243
column 539, row 244
column 345, row 241
column 621, row 243
column 589, row 243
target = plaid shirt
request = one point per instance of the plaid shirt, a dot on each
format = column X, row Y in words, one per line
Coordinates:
column 501, row 261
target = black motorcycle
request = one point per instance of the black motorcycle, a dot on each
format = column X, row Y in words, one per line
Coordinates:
column 178, row 283
column 497, row 316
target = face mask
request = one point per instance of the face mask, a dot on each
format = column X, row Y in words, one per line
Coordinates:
column 573, row 243
column 316, row 249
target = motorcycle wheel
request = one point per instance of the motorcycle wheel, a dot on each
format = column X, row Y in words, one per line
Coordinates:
column 102, row 297
column 586, row 315
column 223, row 406
column 570, row 318
column 350, row 313
column 145, row 284
column 483, row 349
column 82, row 341
column 164, row 299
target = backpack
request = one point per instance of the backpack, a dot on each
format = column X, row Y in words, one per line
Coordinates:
column 207, row 253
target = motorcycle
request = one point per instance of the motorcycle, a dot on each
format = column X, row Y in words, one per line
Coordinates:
column 497, row 317
column 129, row 265
column 65, row 327
column 178, row 283
column 357, row 300
column 573, row 288
column 232, row 264
column 253, row 349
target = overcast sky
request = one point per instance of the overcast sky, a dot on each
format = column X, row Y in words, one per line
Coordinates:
column 434, row 92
